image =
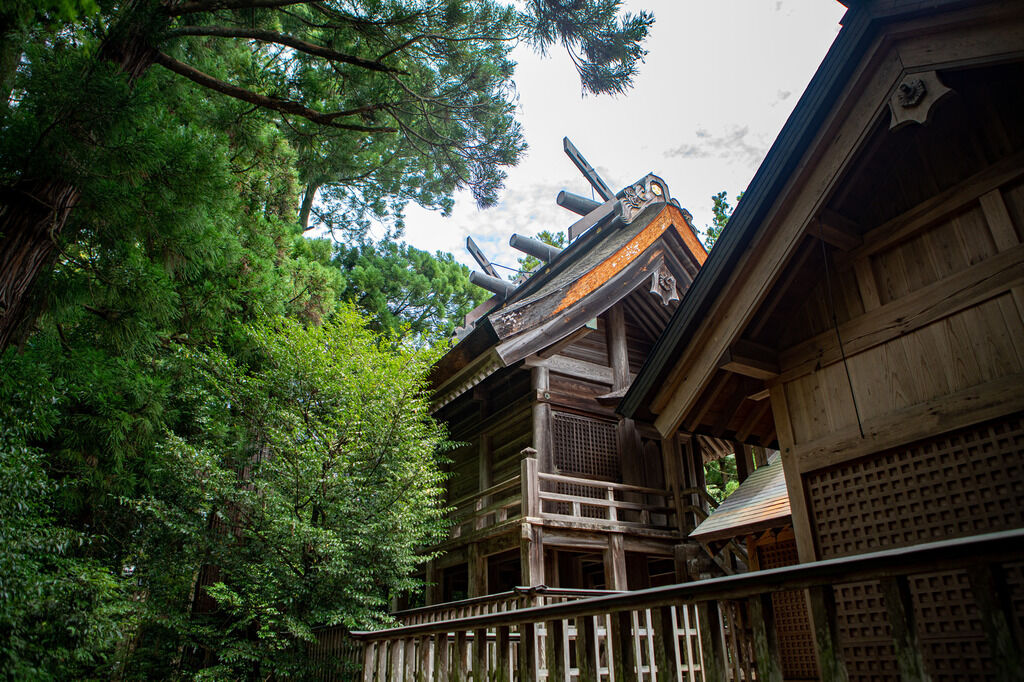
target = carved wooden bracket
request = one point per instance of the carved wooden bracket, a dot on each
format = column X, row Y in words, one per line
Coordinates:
column 915, row 98
column 663, row 284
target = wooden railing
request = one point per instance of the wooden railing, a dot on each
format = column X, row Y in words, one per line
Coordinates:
column 480, row 510
column 516, row 598
column 636, row 635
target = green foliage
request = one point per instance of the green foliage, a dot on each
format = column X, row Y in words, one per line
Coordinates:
column 722, row 211
column 528, row 263
column 321, row 484
column 720, row 476
column 405, row 291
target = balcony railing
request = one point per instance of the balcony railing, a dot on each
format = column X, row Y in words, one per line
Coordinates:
column 639, row 635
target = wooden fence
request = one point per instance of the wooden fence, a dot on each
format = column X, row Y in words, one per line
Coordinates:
column 637, row 635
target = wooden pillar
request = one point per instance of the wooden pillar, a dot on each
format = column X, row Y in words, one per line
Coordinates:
column 433, row 580
column 477, row 571
column 441, row 657
column 527, row 669
column 766, row 640
column 531, row 555
column 620, row 644
column 586, row 649
column 663, row 620
column 369, row 661
column 501, row 654
column 542, row 441
column 744, row 461
column 709, row 617
column 460, row 669
column 760, row 457
column 674, row 482
column 821, row 603
column 794, row 480
column 480, row 660
column 409, row 660
column 899, row 605
column 998, row 619
column 485, row 475
column 615, row 563
column 555, row 650
column 618, row 351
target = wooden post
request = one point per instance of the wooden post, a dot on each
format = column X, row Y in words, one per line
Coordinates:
column 485, row 475
column 664, row 624
column 555, row 650
column 433, row 590
column 531, row 555
column 460, row 671
column 744, row 461
column 409, row 660
column 618, row 350
column 542, row 441
column 529, row 483
column 501, row 655
column 586, row 649
column 369, row 660
column 620, row 644
column 441, row 657
column 995, row 607
column 423, row 659
column 674, row 482
column 821, row 607
column 899, row 605
column 480, row 660
column 477, row 571
column 615, row 563
column 760, row 457
column 395, row 650
column 709, row 618
column 527, row 653
column 766, row 640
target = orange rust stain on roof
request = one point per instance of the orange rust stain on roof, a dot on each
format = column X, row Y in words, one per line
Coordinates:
column 631, row 251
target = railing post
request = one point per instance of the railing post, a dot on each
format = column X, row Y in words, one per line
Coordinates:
column 409, row 660
column 527, row 653
column 613, row 514
column 480, row 662
column 766, row 641
column 822, row 608
column 369, row 660
column 529, row 482
column 586, row 648
column 995, row 607
column 501, row 654
column 460, row 671
column 900, row 607
column 441, row 657
column 709, row 617
column 620, row 643
column 664, row 624
column 555, row 650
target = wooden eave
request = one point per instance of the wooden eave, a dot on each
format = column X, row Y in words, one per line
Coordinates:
column 780, row 212
column 662, row 238
column 760, row 503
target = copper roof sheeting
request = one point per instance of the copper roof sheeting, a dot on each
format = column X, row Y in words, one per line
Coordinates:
column 760, row 503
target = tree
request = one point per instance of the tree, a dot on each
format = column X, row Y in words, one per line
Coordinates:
column 722, row 212
column 528, row 263
column 409, row 95
column 405, row 291
column 321, row 487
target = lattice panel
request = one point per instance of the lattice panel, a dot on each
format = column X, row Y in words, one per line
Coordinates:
column 966, row 482
column 796, row 641
column 586, row 510
column 585, row 446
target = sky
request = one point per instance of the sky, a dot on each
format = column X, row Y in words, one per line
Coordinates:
column 719, row 81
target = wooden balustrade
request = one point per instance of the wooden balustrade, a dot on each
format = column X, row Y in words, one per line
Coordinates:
column 649, row 634
column 499, row 503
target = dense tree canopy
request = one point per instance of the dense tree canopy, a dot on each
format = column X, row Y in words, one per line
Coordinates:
column 182, row 349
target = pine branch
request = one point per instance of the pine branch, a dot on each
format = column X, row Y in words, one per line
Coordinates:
column 266, row 101
column 287, row 41
column 193, row 6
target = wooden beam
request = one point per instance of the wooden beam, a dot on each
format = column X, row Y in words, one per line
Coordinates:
column 694, row 419
column 568, row 340
column 618, row 351
column 750, row 359
column 998, row 218
column 836, row 230
column 753, row 419
column 794, row 480
column 580, row 369
column 731, row 404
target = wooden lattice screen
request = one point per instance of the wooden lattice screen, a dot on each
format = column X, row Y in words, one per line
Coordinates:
column 793, row 628
column 585, row 446
column 962, row 483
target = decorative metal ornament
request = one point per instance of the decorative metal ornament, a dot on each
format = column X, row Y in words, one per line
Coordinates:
column 915, row 98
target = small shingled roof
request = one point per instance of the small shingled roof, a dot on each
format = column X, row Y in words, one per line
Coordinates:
column 760, row 503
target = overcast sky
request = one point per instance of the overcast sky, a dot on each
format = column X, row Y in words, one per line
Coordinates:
column 718, row 83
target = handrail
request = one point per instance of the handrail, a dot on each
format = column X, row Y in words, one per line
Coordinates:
column 496, row 488
column 928, row 557
column 518, row 591
column 607, row 485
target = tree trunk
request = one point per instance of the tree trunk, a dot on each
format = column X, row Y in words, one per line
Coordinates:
column 307, row 205
column 31, row 215
column 33, row 212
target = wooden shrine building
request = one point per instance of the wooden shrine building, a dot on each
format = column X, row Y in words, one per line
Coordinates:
column 863, row 312
column 551, row 487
